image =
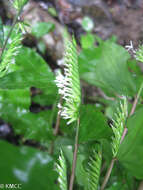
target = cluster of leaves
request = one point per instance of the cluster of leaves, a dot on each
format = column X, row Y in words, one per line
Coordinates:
column 107, row 66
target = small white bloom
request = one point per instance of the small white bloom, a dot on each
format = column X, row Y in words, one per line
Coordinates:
column 60, row 62
column 130, row 47
column 68, row 84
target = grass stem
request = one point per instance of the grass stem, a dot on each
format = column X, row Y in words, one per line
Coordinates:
column 74, row 157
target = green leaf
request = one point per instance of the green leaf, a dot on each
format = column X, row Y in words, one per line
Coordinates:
column 29, row 167
column 130, row 151
column 30, row 125
column 105, row 66
column 42, row 28
column 18, row 4
column 1, row 33
column 45, row 99
column 118, row 186
column 14, row 109
column 87, row 41
column 52, row 11
column 33, row 71
column 19, row 98
column 87, row 24
column 93, row 124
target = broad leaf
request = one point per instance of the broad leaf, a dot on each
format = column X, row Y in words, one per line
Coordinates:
column 105, row 66
column 33, row 71
column 131, row 150
column 19, row 98
column 26, row 166
column 14, row 109
column 93, row 124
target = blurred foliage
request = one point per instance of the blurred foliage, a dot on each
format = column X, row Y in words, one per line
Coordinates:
column 42, row 28
column 87, row 24
column 29, row 167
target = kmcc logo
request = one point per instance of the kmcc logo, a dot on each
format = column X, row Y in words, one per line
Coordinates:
column 13, row 186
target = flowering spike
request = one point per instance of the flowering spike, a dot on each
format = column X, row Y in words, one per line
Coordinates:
column 69, row 83
column 118, row 126
column 8, row 58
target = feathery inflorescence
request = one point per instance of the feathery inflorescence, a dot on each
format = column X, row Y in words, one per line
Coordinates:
column 18, row 4
column 8, row 58
column 138, row 53
column 62, row 171
column 9, row 51
column 94, row 169
column 118, row 126
column 69, row 83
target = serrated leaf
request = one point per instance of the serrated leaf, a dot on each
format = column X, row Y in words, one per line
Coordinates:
column 93, row 124
column 33, row 71
column 130, row 151
column 29, row 167
column 105, row 66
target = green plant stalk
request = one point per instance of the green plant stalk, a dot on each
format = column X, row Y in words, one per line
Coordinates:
column 107, row 176
column 108, row 173
column 136, row 100
column 11, row 29
column 74, row 157
column 56, row 130
column 132, row 110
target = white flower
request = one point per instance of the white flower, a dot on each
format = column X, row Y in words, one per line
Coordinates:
column 130, row 47
column 69, row 84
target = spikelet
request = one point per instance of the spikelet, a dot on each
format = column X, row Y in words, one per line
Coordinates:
column 118, row 126
column 94, row 169
column 138, row 53
column 8, row 58
column 62, row 171
column 69, row 83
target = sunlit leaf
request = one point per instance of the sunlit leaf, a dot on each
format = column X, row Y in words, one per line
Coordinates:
column 106, row 66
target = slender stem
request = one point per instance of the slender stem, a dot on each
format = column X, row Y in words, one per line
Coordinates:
column 132, row 110
column 136, row 100
column 11, row 29
column 55, row 133
column 108, row 173
column 56, row 130
column 124, row 134
column 140, row 186
column 74, row 157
